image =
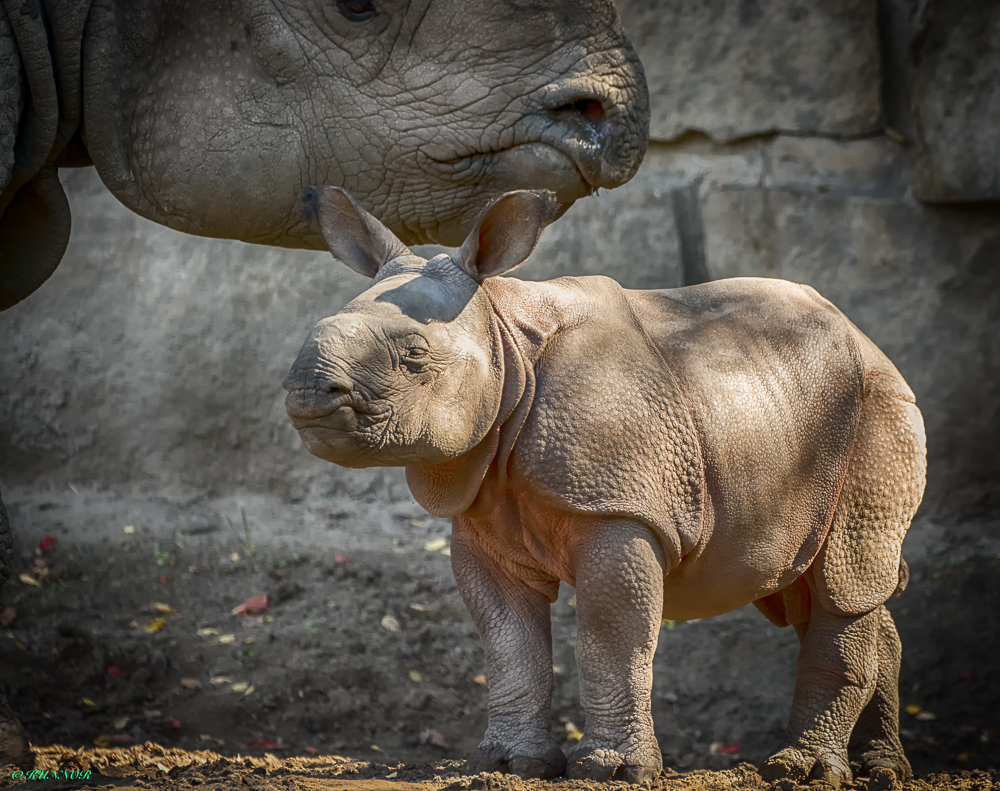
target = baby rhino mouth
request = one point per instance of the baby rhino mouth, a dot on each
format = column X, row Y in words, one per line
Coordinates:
column 321, row 408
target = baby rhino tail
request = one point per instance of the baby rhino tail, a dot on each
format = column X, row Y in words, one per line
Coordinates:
column 904, row 578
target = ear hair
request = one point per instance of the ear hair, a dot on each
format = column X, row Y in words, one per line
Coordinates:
column 506, row 232
column 351, row 233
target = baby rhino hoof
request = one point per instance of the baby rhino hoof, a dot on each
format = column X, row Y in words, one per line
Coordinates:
column 799, row 765
column 544, row 764
column 601, row 765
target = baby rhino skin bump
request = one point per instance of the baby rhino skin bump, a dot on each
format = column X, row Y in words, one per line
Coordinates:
column 671, row 454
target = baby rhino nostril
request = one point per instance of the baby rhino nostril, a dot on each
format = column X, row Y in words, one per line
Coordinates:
column 338, row 386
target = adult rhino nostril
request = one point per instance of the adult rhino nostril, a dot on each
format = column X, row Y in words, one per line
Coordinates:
column 589, row 109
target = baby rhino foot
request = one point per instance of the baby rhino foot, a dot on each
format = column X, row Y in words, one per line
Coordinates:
column 636, row 761
column 540, row 758
column 878, row 759
column 804, row 764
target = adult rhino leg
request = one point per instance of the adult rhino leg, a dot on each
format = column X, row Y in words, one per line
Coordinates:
column 513, row 622
column 619, row 591
column 14, row 746
column 875, row 744
column 836, row 677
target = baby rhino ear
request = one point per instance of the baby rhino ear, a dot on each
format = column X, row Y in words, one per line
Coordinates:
column 351, row 233
column 506, row 232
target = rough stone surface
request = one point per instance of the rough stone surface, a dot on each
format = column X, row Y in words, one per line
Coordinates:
column 734, row 68
column 921, row 282
column 957, row 103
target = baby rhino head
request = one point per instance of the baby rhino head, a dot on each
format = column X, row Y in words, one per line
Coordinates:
column 411, row 371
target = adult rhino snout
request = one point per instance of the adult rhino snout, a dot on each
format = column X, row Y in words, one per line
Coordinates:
column 600, row 128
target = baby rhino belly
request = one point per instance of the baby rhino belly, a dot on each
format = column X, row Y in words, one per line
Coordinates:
column 740, row 562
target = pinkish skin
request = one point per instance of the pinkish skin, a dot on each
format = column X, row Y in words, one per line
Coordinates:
column 671, row 454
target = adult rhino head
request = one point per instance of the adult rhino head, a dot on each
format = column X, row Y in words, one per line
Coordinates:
column 211, row 118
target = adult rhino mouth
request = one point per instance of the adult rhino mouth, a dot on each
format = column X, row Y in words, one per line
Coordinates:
column 579, row 141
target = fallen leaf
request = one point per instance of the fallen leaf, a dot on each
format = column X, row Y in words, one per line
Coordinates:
column 446, row 552
column 235, row 557
column 262, row 743
column 480, row 679
column 190, row 683
column 241, row 686
column 88, row 702
column 27, row 579
column 340, row 558
column 207, row 631
column 114, row 671
column 574, row 736
column 46, row 544
column 432, row 738
column 102, row 741
column 718, row 748
column 165, row 579
column 249, row 690
column 174, row 722
column 268, row 619
column 415, row 677
column 420, row 608
column 155, row 625
column 375, row 748
column 7, row 616
column 248, row 641
column 120, row 723
column 436, row 544
column 19, row 644
column 925, row 716
column 311, row 750
column 220, row 680
column 913, row 709
column 151, row 714
column 254, row 605
column 129, row 529
column 133, row 625
column 391, row 775
column 390, row 624
column 227, row 639
column 161, row 608
column 121, row 739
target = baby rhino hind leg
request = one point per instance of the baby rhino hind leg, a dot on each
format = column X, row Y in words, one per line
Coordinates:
column 619, row 582
column 848, row 669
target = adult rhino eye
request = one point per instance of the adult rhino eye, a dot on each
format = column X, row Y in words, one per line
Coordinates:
column 356, row 10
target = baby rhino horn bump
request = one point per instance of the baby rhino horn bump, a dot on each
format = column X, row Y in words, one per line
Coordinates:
column 351, row 233
column 506, row 232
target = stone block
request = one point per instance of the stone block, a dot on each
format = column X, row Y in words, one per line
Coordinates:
column 957, row 104
column 921, row 282
column 735, row 68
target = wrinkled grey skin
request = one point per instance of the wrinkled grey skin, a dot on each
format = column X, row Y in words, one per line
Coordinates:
column 211, row 117
column 672, row 454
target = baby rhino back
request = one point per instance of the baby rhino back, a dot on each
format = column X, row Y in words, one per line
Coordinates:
column 720, row 415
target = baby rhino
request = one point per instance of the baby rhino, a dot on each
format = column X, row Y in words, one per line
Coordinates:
column 670, row 454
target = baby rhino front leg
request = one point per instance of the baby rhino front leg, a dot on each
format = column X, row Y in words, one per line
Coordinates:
column 513, row 622
column 619, row 583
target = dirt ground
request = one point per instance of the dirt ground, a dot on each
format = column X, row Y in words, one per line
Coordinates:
column 151, row 766
column 128, row 657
